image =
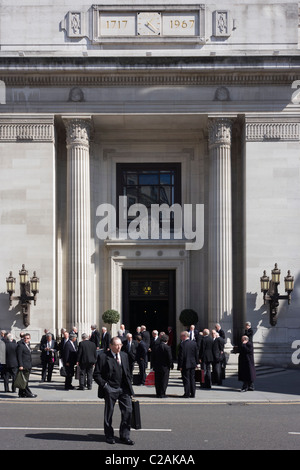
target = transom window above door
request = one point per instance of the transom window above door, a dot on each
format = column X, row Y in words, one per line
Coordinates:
column 149, row 183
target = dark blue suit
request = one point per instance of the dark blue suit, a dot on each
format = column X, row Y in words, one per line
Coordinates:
column 187, row 361
column 142, row 360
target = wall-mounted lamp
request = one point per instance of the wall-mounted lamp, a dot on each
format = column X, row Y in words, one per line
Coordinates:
column 271, row 294
column 26, row 288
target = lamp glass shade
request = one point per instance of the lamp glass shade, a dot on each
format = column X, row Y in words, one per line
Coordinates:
column 264, row 282
column 10, row 283
column 23, row 275
column 276, row 275
column 35, row 284
column 289, row 282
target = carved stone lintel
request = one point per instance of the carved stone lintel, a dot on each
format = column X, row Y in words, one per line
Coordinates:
column 16, row 130
column 268, row 130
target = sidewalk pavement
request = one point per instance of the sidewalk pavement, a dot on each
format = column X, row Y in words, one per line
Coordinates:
column 271, row 386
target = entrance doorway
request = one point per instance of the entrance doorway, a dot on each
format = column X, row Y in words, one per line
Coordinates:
column 149, row 299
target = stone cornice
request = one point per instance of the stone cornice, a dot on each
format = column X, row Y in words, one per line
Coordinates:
column 156, row 71
column 140, row 79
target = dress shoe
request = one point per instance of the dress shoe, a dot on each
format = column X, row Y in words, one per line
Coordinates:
column 185, row 396
column 110, row 440
column 30, row 395
column 128, row 441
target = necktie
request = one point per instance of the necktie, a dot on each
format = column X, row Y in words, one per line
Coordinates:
column 118, row 359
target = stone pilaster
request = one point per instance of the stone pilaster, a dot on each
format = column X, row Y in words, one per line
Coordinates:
column 78, row 222
column 220, row 225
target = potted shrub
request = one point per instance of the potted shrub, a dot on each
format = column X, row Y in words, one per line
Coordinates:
column 188, row 317
column 111, row 316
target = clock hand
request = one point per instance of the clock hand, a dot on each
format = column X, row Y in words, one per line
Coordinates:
column 150, row 24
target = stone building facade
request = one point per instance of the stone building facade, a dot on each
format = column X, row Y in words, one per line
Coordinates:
column 166, row 103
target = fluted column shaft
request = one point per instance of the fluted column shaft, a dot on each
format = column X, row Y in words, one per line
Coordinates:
column 78, row 222
column 220, row 225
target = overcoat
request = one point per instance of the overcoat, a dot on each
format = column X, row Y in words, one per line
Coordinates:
column 246, row 368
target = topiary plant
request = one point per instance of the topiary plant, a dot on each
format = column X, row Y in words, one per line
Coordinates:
column 188, row 317
column 111, row 316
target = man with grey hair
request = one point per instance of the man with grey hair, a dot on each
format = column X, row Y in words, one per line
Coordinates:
column 69, row 357
column 112, row 374
column 86, row 358
column 187, row 362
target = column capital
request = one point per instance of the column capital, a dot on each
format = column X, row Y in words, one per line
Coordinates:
column 78, row 129
column 219, row 131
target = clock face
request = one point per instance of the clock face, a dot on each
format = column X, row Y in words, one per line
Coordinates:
column 149, row 24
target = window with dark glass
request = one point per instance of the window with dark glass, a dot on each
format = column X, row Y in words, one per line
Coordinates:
column 149, row 183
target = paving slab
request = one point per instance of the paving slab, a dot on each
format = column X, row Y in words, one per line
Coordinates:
column 271, row 386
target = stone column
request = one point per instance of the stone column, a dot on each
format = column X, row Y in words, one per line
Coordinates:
column 220, row 225
column 78, row 222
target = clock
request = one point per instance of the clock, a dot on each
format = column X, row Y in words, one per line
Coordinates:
column 148, row 23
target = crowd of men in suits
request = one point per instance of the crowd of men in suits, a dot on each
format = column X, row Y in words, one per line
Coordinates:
column 198, row 350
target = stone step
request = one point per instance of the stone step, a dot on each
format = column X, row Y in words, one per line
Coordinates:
column 231, row 370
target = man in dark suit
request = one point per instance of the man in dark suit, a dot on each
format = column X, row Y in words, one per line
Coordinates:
column 154, row 342
column 25, row 364
column 141, row 359
column 129, row 346
column 48, row 356
column 162, row 363
column 95, row 336
column 219, row 330
column 11, row 362
column 206, row 357
column 246, row 367
column 145, row 336
column 86, row 358
column 218, row 357
column 105, row 339
column 193, row 333
column 187, row 362
column 112, row 374
column 69, row 357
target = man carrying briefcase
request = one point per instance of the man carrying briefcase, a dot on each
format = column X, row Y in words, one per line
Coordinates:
column 112, row 374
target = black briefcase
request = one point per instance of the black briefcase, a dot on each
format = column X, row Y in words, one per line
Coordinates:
column 136, row 415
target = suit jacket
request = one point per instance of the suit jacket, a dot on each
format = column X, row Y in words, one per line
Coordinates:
column 24, row 355
column 95, row 338
column 69, row 354
column 221, row 333
column 132, row 353
column 105, row 340
column 107, row 372
column 142, row 352
column 87, row 353
column 218, row 349
column 154, row 343
column 11, row 354
column 187, row 355
column 162, row 356
column 146, row 338
column 48, row 355
column 196, row 334
column 206, row 346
